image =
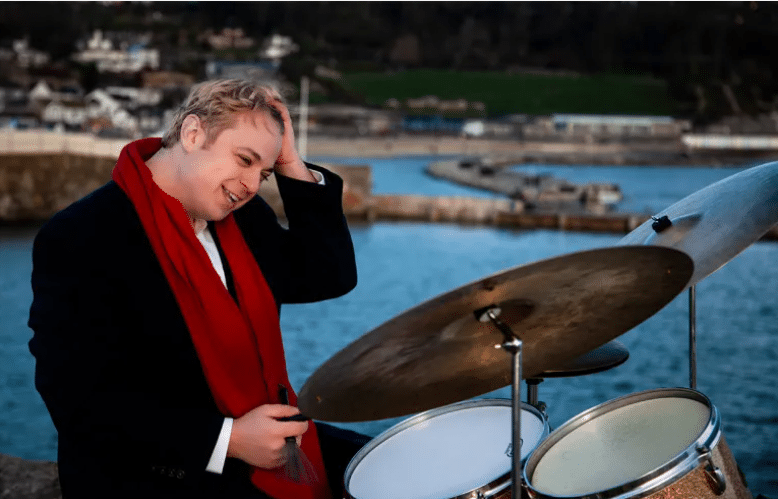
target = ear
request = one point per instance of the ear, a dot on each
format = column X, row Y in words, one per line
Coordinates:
column 192, row 133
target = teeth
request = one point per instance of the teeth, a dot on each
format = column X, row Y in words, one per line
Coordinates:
column 231, row 196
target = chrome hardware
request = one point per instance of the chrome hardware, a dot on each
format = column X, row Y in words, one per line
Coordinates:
column 715, row 476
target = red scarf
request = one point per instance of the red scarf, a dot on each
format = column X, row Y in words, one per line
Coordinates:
column 239, row 344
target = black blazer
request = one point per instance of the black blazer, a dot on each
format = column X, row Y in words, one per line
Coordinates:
column 115, row 363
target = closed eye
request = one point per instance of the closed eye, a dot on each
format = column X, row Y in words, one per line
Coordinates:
column 245, row 159
column 266, row 174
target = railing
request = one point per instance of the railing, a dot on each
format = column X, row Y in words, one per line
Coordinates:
column 45, row 142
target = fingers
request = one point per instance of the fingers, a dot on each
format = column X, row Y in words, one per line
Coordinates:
column 292, row 429
column 284, row 428
column 274, row 94
column 281, row 108
column 278, row 410
column 259, row 439
column 273, row 98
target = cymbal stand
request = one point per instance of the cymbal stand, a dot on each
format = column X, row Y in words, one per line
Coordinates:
column 692, row 338
column 660, row 224
column 513, row 345
column 532, row 395
column 532, row 391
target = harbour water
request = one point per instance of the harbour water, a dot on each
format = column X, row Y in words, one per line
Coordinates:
column 404, row 264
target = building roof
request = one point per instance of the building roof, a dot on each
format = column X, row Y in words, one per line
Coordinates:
column 608, row 119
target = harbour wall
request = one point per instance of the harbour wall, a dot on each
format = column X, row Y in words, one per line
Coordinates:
column 42, row 173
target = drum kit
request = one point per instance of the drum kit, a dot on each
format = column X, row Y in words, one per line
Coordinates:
column 553, row 318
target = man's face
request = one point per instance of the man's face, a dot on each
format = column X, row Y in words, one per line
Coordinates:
column 225, row 175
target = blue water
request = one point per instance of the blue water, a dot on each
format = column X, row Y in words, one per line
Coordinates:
column 646, row 190
column 403, row 264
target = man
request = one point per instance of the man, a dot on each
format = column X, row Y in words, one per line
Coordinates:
column 156, row 301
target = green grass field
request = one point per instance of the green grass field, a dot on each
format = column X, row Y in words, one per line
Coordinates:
column 505, row 93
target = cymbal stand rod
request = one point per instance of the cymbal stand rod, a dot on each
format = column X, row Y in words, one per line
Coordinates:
column 512, row 345
column 692, row 338
column 532, row 391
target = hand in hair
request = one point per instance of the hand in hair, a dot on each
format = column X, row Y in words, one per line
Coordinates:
column 289, row 163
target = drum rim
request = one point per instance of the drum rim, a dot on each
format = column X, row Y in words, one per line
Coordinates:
column 652, row 481
column 488, row 490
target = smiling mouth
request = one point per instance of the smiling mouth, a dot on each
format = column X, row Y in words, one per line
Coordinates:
column 232, row 197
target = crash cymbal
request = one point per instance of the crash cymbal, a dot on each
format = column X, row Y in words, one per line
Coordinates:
column 438, row 352
column 600, row 359
column 716, row 223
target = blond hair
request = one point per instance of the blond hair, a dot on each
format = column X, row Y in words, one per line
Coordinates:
column 218, row 103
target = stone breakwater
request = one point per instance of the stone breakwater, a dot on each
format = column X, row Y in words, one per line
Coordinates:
column 26, row 479
column 35, row 186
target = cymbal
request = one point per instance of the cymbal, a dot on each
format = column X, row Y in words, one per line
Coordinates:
column 439, row 352
column 716, row 223
column 608, row 356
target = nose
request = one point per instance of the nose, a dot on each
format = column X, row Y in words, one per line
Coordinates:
column 252, row 179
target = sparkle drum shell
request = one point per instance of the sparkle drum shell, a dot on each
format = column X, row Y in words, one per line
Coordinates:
column 458, row 451
column 661, row 444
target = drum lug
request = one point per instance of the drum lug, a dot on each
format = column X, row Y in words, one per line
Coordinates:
column 715, row 476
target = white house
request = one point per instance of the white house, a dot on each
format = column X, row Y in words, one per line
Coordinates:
column 69, row 114
column 276, row 47
column 102, row 105
column 134, row 96
column 27, row 57
column 131, row 58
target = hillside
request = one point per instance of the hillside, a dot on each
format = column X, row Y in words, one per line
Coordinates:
column 527, row 93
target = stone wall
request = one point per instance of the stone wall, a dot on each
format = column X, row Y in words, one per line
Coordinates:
column 25, row 479
column 461, row 210
column 35, row 186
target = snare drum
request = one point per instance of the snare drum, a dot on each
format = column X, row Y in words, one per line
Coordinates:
column 457, row 451
column 661, row 444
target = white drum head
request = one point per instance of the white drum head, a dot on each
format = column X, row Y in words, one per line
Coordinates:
column 620, row 446
column 442, row 455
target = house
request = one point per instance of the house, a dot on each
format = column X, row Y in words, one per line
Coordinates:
column 133, row 97
column 229, row 38
column 16, row 110
column 28, row 57
column 151, row 120
column 246, row 70
column 131, row 55
column 498, row 129
column 435, row 105
column 349, row 121
column 12, row 95
column 588, row 127
column 70, row 116
column 276, row 47
column 103, row 105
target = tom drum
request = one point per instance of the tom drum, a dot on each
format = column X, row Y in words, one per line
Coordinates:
column 458, row 451
column 662, row 444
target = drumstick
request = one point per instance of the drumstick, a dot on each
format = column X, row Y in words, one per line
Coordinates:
column 296, row 417
column 297, row 468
